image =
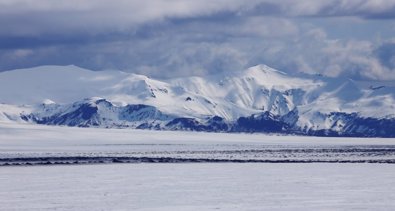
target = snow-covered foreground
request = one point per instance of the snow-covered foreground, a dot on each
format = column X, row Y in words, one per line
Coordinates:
column 213, row 171
column 32, row 144
column 208, row 186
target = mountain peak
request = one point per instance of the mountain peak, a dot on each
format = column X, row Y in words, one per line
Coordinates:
column 264, row 68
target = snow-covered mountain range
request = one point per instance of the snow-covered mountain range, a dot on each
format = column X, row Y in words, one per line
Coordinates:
column 258, row 99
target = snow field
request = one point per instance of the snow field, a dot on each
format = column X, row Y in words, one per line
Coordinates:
column 199, row 187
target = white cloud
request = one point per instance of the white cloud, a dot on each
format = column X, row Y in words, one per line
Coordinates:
column 22, row 53
column 167, row 38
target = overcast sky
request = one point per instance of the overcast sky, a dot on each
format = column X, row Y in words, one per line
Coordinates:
column 170, row 38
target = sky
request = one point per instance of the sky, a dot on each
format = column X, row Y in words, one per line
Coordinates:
column 175, row 38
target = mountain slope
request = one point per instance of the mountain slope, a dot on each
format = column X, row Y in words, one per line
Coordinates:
column 259, row 99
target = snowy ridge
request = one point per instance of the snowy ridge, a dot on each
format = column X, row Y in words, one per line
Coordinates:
column 259, row 99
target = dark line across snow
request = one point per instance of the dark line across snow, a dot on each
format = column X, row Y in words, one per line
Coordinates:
column 109, row 160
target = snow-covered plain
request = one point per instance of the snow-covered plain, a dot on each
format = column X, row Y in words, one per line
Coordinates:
column 33, row 144
column 248, row 186
column 210, row 173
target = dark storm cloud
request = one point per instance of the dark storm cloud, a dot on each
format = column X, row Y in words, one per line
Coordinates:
column 386, row 54
column 375, row 9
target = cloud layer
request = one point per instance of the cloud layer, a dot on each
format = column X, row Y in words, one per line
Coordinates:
column 169, row 38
